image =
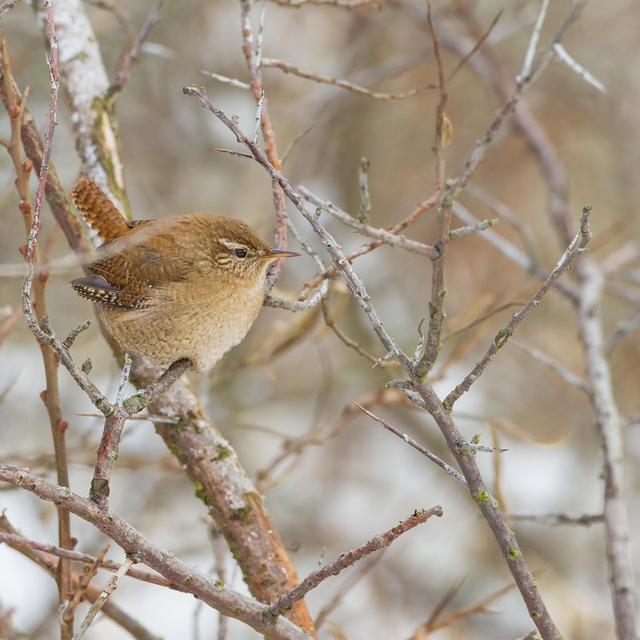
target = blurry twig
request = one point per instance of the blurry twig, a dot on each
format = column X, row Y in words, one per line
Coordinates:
column 7, row 5
column 131, row 54
column 577, row 68
column 239, row 84
column 555, row 519
column 437, row 621
column 271, row 63
column 341, row 4
column 294, row 447
column 504, row 212
column 349, row 584
column 555, row 366
column 8, row 323
column 622, row 331
column 418, row 447
column 533, row 41
column 330, row 321
column 119, row 13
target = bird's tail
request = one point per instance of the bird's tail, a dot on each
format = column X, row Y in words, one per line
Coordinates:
column 98, row 211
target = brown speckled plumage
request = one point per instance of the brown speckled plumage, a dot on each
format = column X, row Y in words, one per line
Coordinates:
column 183, row 287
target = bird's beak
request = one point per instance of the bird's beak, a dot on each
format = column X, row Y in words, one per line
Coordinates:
column 276, row 254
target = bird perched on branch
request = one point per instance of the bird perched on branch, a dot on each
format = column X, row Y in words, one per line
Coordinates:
column 183, row 287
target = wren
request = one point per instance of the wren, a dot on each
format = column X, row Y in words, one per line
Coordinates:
column 189, row 286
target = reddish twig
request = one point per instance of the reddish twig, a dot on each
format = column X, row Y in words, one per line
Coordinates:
column 130, row 56
column 36, row 313
column 252, row 50
column 114, row 423
column 44, row 561
column 15, row 540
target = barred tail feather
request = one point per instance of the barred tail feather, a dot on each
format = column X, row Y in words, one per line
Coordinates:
column 98, row 211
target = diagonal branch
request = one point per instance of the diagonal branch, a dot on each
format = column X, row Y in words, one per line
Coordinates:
column 351, row 557
column 578, row 244
column 225, row 600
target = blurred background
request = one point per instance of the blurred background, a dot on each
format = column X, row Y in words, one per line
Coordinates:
column 348, row 478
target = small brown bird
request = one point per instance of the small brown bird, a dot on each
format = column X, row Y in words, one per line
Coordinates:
column 183, row 287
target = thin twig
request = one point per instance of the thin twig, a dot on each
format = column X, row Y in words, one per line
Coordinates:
column 15, row 540
column 365, row 194
column 383, row 235
column 7, row 5
column 124, row 380
column 340, row 4
column 533, row 41
column 578, row 244
column 226, row 80
column 337, row 599
column 255, row 63
column 347, row 559
column 454, row 473
column 272, row 63
column 621, row 332
column 131, row 55
column 568, row 376
column 95, row 608
column 462, row 232
column 555, row 519
column 35, row 290
column 114, row 423
column 114, row 612
column 430, row 347
column 577, row 68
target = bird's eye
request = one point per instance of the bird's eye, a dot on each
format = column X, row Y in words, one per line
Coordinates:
column 240, row 253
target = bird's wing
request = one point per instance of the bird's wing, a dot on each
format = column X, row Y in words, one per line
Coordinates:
column 136, row 270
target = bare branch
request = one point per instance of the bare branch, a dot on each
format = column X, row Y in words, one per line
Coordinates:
column 7, row 5
column 555, row 519
column 418, row 447
column 272, row 63
column 351, row 557
column 577, row 68
column 533, row 42
column 218, row 596
column 383, row 235
column 556, row 367
column 95, row 608
column 130, row 56
column 351, row 279
column 578, row 244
